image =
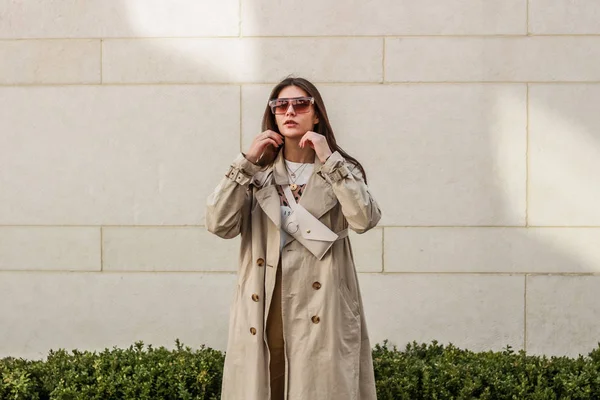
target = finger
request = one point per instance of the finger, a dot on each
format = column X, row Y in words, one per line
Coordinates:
column 272, row 142
column 262, row 137
column 267, row 140
column 259, row 139
column 275, row 136
column 305, row 138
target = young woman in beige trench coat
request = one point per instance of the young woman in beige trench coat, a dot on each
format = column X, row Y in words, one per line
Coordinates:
column 297, row 328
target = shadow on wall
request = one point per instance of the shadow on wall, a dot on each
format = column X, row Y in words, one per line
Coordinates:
column 563, row 150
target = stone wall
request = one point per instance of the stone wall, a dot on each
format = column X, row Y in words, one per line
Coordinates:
column 478, row 124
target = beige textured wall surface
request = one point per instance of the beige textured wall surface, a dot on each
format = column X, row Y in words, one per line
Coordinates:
column 477, row 123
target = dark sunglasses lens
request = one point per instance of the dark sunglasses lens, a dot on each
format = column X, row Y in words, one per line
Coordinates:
column 281, row 107
column 302, row 106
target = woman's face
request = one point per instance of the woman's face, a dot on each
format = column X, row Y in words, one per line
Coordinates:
column 293, row 124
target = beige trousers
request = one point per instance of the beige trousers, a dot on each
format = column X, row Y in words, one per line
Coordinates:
column 275, row 341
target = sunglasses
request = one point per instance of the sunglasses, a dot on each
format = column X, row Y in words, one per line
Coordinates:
column 301, row 105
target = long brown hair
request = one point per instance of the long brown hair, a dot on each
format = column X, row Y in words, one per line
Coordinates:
column 323, row 127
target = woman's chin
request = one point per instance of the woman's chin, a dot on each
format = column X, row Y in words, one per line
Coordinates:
column 292, row 133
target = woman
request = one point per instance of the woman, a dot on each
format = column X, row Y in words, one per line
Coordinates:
column 297, row 328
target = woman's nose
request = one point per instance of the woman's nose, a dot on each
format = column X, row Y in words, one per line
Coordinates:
column 290, row 110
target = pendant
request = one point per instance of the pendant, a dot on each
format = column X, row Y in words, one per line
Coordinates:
column 293, row 186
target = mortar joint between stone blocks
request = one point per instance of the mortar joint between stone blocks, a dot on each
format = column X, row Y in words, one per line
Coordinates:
column 101, row 249
column 525, row 312
column 383, row 249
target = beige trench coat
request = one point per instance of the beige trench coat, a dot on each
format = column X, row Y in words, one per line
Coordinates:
column 328, row 357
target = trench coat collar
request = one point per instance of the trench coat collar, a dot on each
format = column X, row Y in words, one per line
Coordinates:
column 317, row 198
column 280, row 173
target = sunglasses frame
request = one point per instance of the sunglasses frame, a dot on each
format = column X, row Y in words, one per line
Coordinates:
column 290, row 100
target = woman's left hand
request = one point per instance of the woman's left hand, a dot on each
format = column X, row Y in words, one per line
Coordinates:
column 317, row 142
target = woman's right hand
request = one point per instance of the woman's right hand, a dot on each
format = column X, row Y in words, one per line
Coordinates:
column 268, row 143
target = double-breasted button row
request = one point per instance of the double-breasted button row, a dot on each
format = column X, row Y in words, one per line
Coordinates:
column 256, row 297
column 315, row 318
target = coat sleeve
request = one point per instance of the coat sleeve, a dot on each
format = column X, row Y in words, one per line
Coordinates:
column 358, row 205
column 226, row 206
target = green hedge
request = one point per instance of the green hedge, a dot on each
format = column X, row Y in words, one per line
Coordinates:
column 420, row 371
column 135, row 373
column 437, row 372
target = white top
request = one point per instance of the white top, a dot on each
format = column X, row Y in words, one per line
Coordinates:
column 303, row 173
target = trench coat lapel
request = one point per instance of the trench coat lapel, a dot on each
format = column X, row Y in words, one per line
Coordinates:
column 268, row 198
column 318, row 196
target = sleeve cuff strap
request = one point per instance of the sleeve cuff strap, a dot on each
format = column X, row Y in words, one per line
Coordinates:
column 334, row 161
column 242, row 170
column 339, row 174
column 237, row 176
column 241, row 162
column 334, row 168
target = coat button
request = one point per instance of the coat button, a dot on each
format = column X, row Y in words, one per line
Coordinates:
column 260, row 262
column 316, row 285
column 253, row 330
column 315, row 319
column 255, row 297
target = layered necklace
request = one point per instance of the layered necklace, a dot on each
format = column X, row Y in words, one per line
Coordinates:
column 293, row 176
